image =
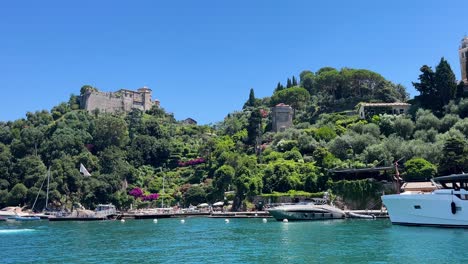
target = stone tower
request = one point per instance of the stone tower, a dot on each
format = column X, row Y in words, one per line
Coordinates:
column 281, row 117
column 146, row 97
column 463, row 53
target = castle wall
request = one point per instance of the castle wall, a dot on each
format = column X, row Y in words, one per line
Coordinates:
column 115, row 102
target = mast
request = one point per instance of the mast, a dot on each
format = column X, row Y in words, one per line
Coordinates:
column 162, row 197
column 47, row 193
column 37, row 196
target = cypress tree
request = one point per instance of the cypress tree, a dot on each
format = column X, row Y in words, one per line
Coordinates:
column 294, row 81
column 251, row 97
column 445, row 82
column 251, row 101
column 288, row 83
column 426, row 88
column 254, row 127
column 279, row 87
column 460, row 90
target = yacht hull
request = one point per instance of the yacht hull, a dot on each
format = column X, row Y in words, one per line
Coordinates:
column 306, row 213
column 433, row 209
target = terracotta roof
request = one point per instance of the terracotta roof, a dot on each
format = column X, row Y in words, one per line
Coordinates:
column 281, row 104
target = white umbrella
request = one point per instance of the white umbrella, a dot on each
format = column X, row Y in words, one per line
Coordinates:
column 202, row 205
column 218, row 204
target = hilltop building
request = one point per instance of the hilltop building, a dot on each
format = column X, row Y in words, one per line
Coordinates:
column 189, row 121
column 122, row 100
column 463, row 53
column 369, row 109
column 281, row 117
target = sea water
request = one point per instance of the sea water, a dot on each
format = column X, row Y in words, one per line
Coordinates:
column 208, row 240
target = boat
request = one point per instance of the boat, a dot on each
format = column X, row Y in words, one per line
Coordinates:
column 446, row 206
column 102, row 212
column 317, row 209
column 12, row 212
column 25, row 218
column 153, row 213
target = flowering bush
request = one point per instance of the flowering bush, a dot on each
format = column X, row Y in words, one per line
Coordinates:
column 150, row 197
column 136, row 192
column 191, row 162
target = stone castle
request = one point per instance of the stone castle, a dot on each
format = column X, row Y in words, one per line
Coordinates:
column 463, row 53
column 120, row 101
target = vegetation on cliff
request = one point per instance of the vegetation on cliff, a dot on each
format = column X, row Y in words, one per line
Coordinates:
column 239, row 157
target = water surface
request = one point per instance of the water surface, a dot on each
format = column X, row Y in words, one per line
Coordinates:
column 205, row 240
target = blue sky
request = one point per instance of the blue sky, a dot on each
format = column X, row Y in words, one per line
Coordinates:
column 201, row 58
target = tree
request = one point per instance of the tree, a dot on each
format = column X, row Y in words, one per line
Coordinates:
column 223, row 177
column 445, row 82
column 436, row 88
column 307, row 81
column 288, row 83
column 419, row 169
column 254, row 127
column 460, row 89
column 454, row 156
column 86, row 88
column 404, row 127
column 426, row 88
column 294, row 81
column 252, row 101
column 110, row 131
column 296, row 97
column 279, row 87
column 17, row 195
column 194, row 195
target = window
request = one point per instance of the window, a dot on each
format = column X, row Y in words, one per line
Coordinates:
column 402, row 111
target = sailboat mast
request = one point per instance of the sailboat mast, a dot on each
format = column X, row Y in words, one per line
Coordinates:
column 47, row 193
column 37, row 196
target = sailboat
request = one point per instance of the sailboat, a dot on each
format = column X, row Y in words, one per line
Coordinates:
column 102, row 212
column 42, row 215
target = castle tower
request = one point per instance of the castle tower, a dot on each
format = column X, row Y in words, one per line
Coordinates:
column 463, row 53
column 146, row 96
column 281, row 117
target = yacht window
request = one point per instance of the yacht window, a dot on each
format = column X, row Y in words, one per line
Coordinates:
column 417, row 207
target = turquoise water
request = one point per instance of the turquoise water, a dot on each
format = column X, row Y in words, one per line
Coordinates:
column 205, row 240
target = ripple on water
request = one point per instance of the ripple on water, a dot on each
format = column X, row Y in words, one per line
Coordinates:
column 204, row 240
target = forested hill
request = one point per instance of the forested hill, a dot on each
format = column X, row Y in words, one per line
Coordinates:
column 239, row 157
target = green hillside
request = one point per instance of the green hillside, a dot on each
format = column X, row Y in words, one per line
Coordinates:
column 240, row 157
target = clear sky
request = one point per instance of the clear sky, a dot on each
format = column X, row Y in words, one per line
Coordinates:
column 201, row 58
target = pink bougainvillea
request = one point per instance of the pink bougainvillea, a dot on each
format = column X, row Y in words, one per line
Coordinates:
column 191, row 162
column 138, row 193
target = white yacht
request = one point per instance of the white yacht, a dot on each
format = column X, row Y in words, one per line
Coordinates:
column 445, row 206
column 11, row 212
column 315, row 210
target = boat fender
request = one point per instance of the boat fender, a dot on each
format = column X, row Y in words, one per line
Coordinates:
column 453, row 207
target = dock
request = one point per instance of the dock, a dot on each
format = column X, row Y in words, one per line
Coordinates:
column 257, row 214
